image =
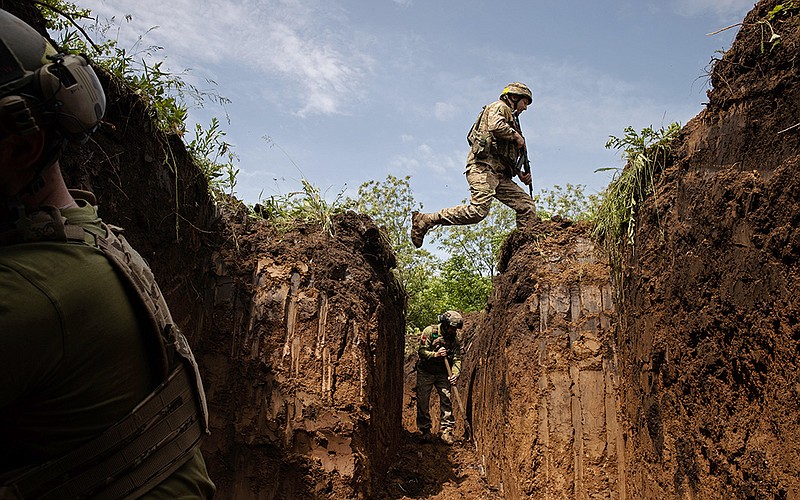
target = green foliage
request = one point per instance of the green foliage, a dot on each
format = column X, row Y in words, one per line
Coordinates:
column 308, row 206
column 784, row 10
column 570, row 202
column 215, row 158
column 645, row 153
column 478, row 243
column 389, row 204
column 424, row 299
column 167, row 96
column 779, row 13
column 463, row 280
column 61, row 17
column 467, row 290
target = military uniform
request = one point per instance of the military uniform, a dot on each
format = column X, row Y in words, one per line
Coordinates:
column 432, row 372
column 74, row 358
column 491, row 166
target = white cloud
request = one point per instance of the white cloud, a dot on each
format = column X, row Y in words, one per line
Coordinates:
column 444, row 111
column 426, row 160
column 304, row 48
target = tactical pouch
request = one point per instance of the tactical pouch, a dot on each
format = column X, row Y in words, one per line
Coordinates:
column 482, row 146
column 129, row 458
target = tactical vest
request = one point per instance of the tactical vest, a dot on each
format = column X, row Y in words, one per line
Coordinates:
column 483, row 145
column 161, row 433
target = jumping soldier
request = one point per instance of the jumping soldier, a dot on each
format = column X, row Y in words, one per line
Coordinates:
column 100, row 395
column 438, row 343
column 496, row 143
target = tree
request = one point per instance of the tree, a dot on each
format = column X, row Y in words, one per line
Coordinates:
column 389, row 203
column 571, row 202
column 479, row 243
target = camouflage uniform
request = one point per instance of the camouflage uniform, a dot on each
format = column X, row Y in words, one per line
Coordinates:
column 490, row 167
column 432, row 372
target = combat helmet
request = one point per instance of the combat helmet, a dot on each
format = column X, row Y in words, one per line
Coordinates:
column 517, row 88
column 452, row 318
column 38, row 85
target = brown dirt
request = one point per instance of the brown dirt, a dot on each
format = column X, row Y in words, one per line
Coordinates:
column 541, row 379
column 687, row 387
column 710, row 318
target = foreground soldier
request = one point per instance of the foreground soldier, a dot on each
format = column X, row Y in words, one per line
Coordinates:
column 495, row 144
column 100, row 397
column 437, row 344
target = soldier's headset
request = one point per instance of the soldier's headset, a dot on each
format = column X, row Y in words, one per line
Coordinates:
column 65, row 91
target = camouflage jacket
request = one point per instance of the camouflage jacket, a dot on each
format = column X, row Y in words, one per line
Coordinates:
column 492, row 139
column 429, row 342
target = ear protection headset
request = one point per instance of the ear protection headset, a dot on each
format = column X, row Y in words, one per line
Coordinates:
column 39, row 86
column 65, row 91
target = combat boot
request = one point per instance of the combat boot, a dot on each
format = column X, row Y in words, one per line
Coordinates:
column 447, row 436
column 420, row 225
column 425, row 436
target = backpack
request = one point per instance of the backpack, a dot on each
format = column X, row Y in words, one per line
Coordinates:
column 480, row 143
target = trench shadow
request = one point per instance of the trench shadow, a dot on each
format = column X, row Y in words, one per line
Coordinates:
column 420, row 468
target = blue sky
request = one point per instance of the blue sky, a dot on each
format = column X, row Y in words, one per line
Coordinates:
column 348, row 91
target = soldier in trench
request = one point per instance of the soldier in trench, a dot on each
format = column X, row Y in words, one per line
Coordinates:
column 438, row 349
column 100, row 394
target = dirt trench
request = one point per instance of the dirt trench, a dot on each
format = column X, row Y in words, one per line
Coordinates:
column 686, row 387
column 541, row 370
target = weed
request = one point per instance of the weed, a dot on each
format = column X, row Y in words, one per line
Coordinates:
column 167, row 96
column 615, row 220
column 308, row 206
column 215, row 158
column 779, row 13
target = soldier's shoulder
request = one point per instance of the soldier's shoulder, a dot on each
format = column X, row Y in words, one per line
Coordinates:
column 496, row 105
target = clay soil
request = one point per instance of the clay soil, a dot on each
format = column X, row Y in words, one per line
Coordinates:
column 709, row 325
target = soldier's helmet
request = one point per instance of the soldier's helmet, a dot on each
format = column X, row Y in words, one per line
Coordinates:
column 452, row 318
column 519, row 89
column 39, row 85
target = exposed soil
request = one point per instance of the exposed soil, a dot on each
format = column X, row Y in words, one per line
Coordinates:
column 682, row 382
column 710, row 315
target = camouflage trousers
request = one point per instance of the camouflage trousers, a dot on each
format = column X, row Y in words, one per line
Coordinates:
column 485, row 185
column 425, row 384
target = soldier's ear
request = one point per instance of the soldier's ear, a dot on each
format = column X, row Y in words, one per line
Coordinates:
column 19, row 156
column 26, row 149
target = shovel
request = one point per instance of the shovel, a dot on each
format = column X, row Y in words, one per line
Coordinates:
column 460, row 404
column 467, row 427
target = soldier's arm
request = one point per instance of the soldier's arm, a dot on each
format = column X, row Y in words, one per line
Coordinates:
column 499, row 122
column 424, row 350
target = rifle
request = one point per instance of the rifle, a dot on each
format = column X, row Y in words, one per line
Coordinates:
column 523, row 164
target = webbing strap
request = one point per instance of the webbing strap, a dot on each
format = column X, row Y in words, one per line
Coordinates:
column 130, row 457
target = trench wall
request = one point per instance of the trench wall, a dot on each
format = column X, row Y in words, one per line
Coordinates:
column 543, row 378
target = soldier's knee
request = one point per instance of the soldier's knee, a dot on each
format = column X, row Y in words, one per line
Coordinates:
column 479, row 212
